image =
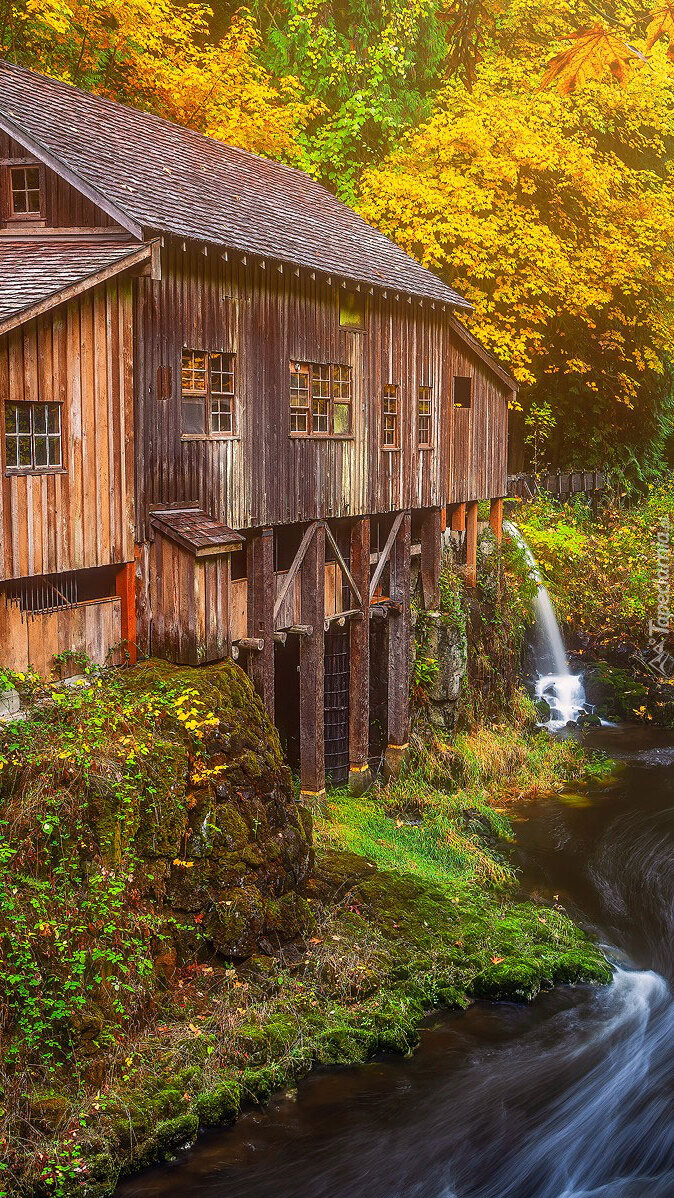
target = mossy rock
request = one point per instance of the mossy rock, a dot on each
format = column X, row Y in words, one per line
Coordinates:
column 236, row 923
column 514, row 980
column 174, row 1134
column 576, row 966
column 48, row 1110
column 220, row 1105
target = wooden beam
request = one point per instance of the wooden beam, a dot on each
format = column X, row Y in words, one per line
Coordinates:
column 496, row 519
column 431, row 552
column 343, row 566
column 359, row 663
column 309, row 534
column 125, row 587
column 312, row 670
column 471, row 543
column 457, row 520
column 385, row 553
column 399, row 649
column 261, row 587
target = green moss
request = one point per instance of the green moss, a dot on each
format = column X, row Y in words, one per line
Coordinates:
column 219, row 1105
column 173, row 1134
column 512, row 980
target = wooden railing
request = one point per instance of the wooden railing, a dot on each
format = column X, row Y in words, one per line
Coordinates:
column 563, row 484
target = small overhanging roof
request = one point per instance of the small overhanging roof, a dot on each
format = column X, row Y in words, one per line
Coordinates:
column 39, row 273
column 152, row 176
column 196, row 531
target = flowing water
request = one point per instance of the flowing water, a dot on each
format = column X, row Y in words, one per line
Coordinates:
column 572, row 1097
column 562, row 690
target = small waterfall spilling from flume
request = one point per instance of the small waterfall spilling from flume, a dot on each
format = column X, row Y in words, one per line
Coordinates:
column 563, row 691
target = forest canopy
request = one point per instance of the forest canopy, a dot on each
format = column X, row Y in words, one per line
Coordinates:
column 520, row 148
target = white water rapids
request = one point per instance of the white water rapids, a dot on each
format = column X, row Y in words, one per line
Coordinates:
column 562, row 690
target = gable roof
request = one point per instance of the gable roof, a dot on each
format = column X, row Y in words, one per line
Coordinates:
column 197, row 531
column 155, row 176
column 38, row 274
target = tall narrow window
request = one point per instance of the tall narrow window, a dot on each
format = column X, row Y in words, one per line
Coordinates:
column 320, row 400
column 390, row 417
column 424, row 418
column 33, row 436
column 25, row 199
column 208, row 392
column 463, row 391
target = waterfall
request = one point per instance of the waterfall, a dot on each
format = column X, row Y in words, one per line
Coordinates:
column 562, row 690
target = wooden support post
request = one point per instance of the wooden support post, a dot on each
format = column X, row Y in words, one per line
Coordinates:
column 312, row 672
column 431, row 551
column 261, row 595
column 399, row 650
column 125, row 586
column 471, row 543
column 496, row 519
column 458, row 517
column 359, row 663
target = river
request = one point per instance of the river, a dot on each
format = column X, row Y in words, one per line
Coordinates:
column 572, row 1097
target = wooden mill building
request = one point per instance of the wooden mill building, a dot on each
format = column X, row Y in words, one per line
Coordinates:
column 235, row 418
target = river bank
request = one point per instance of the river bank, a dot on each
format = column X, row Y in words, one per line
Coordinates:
column 567, row 1096
column 122, row 1041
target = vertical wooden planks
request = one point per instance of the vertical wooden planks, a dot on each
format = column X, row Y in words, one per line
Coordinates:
column 399, row 648
column 359, row 661
column 261, row 598
column 431, row 549
column 471, row 543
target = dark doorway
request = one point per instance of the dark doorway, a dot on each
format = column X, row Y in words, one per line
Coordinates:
column 287, row 698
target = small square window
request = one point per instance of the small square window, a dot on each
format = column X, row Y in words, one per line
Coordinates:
column 25, row 196
column 351, row 309
column 320, row 399
column 33, row 436
column 463, row 391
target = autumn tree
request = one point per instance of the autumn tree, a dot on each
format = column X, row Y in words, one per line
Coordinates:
column 554, row 214
column 159, row 55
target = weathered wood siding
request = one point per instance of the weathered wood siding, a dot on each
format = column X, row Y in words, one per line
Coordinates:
column 262, row 475
column 93, row 628
column 191, row 604
column 80, row 355
column 64, row 206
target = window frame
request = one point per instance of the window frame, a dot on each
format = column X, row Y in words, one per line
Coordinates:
column 463, row 378
column 30, row 406
column 23, row 217
column 387, row 389
column 324, row 386
column 425, row 395
column 228, row 367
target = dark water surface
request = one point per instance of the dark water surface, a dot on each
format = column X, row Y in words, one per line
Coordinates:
column 570, row 1098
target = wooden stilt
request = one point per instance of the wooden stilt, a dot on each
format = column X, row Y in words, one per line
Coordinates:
column 471, row 544
column 399, row 634
column 261, row 595
column 458, row 517
column 496, row 519
column 431, row 551
column 312, row 672
column 125, row 586
column 359, row 663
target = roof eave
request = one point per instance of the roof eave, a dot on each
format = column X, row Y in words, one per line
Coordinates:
column 62, row 296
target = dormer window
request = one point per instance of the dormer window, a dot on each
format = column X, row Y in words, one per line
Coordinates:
column 25, row 193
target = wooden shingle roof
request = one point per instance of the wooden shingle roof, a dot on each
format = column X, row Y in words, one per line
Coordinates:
column 158, row 177
column 39, row 273
column 196, row 531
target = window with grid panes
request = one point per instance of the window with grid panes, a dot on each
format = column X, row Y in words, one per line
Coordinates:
column 208, row 390
column 424, row 418
column 33, row 436
column 320, row 399
column 390, row 416
column 25, row 198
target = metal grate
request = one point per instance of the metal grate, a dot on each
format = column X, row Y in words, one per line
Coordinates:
column 46, row 593
column 336, row 722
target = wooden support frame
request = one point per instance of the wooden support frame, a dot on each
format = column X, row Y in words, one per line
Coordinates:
column 399, row 650
column 471, row 543
column 386, row 553
column 290, row 577
column 458, row 517
column 431, row 554
column 125, row 587
column 312, row 668
column 261, row 587
column 496, row 519
column 359, row 662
